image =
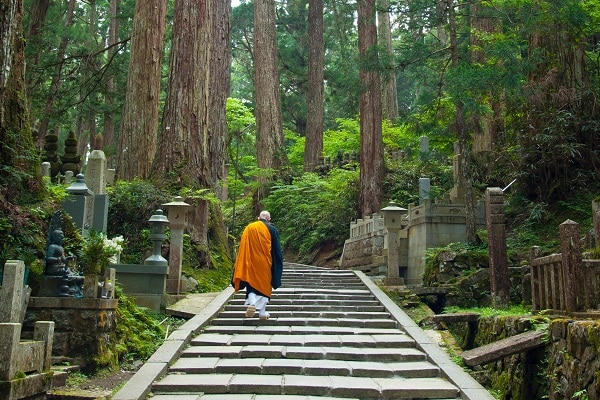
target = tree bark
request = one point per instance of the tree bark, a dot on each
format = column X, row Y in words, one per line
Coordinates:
column 462, row 132
column 269, row 126
column 16, row 143
column 313, row 147
column 372, row 167
column 138, row 133
column 390, row 94
column 109, row 119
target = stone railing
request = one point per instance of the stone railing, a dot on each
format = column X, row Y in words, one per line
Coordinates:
column 367, row 226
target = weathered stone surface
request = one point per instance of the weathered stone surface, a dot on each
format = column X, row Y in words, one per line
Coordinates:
column 504, row 348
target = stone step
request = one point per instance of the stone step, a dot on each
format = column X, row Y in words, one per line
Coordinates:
column 278, row 366
column 307, row 352
column 275, row 312
column 299, row 330
column 332, row 386
column 348, row 340
column 318, row 295
column 248, row 396
column 313, row 302
column 291, row 321
column 239, row 306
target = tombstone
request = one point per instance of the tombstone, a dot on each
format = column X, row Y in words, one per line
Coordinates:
column 68, row 177
column 500, row 287
column 95, row 179
column 46, row 169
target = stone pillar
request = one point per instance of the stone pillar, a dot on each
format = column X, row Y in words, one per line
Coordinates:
column 500, row 286
column 392, row 221
column 11, row 292
column 457, row 194
column 570, row 249
column 177, row 213
column 424, row 147
column 596, row 215
column 424, row 189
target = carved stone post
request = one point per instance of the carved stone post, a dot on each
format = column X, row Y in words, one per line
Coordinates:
column 500, row 287
column 176, row 211
column 570, row 249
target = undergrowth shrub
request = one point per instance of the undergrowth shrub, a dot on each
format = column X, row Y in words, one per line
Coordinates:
column 314, row 209
column 131, row 205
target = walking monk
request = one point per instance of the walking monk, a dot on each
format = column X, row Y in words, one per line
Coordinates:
column 259, row 264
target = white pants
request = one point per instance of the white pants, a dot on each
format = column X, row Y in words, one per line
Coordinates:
column 260, row 302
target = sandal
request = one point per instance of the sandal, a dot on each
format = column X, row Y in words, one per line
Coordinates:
column 250, row 311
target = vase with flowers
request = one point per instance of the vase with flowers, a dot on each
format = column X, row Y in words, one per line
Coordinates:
column 93, row 259
column 95, row 254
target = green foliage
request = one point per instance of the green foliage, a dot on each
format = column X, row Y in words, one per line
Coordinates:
column 513, row 310
column 139, row 331
column 95, row 253
column 132, row 203
column 466, row 250
column 314, row 210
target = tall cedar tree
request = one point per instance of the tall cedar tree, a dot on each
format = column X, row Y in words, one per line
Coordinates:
column 388, row 80
column 21, row 165
column 372, row 166
column 139, row 124
column 313, row 147
column 270, row 146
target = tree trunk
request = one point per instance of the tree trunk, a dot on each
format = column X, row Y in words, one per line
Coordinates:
column 179, row 153
column 462, row 132
column 109, row 119
column 269, row 126
column 139, row 124
column 372, row 167
column 388, row 81
column 217, row 90
column 37, row 19
column 313, row 147
column 16, row 143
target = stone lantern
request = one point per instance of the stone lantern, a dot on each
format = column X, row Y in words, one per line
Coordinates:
column 392, row 221
column 158, row 222
column 177, row 211
column 77, row 204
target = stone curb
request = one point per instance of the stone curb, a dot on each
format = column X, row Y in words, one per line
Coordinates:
column 470, row 388
column 140, row 384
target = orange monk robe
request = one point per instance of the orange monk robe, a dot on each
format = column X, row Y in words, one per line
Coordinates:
column 254, row 259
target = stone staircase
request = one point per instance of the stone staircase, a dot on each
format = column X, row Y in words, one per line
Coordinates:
column 329, row 337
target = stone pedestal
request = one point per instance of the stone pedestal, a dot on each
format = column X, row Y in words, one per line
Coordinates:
column 85, row 329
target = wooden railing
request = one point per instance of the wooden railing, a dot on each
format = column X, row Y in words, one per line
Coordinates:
column 565, row 282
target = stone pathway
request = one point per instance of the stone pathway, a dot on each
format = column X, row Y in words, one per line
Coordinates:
column 332, row 335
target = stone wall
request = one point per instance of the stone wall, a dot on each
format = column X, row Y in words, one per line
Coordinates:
column 85, row 330
column 574, row 359
column 568, row 367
